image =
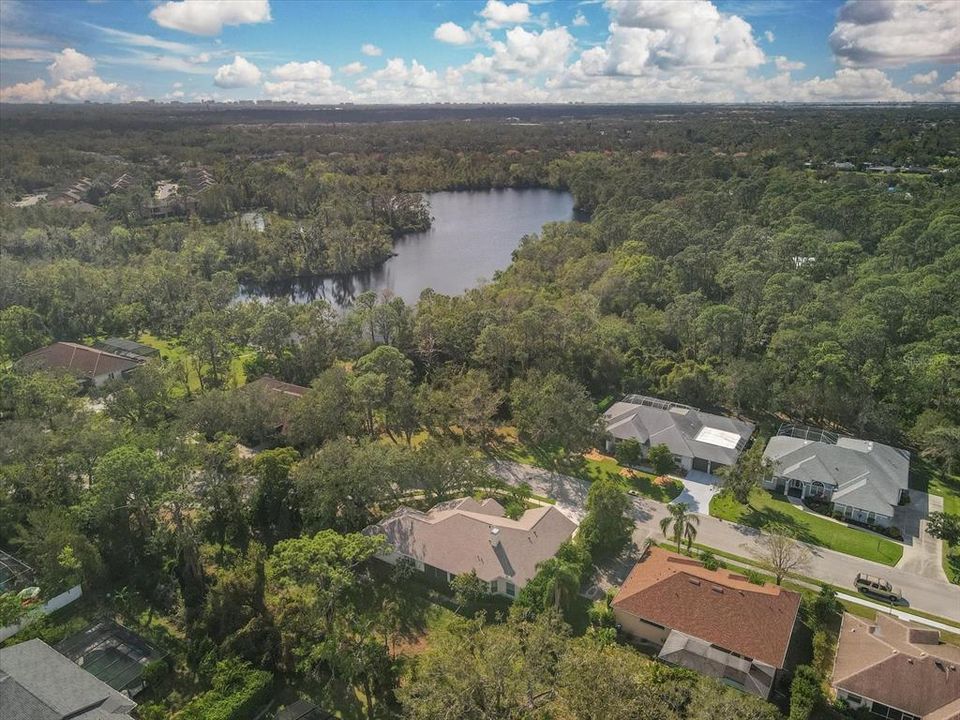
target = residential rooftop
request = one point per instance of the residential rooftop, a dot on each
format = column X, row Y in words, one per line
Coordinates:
column 867, row 475
column 900, row 664
column 687, row 431
column 463, row 535
column 38, row 683
column 86, row 362
column 277, row 386
column 718, row 606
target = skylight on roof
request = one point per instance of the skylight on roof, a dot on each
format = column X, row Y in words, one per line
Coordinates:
column 722, row 438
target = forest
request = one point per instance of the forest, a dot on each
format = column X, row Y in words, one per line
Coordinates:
column 727, row 264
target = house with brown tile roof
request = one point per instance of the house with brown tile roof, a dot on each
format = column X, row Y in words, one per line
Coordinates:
column 285, row 393
column 467, row 535
column 278, row 386
column 713, row 621
column 87, row 364
column 897, row 669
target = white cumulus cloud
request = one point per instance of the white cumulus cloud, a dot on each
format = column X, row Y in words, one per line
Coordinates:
column 580, row 20
column 70, row 65
column 647, row 35
column 241, row 73
column 786, row 65
column 306, row 82
column 892, row 33
column 498, row 14
column 371, row 50
column 354, row 68
column 525, row 52
column 207, row 17
column 770, row 37
column 925, row 79
column 72, row 80
column 453, row 34
column 952, row 86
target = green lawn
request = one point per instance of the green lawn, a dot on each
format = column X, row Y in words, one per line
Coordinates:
column 589, row 469
column 765, row 510
column 926, row 478
column 173, row 352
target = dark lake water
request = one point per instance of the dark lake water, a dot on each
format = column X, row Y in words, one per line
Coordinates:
column 472, row 236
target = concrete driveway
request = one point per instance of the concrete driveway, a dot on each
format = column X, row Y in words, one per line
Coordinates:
column 921, row 551
column 698, row 488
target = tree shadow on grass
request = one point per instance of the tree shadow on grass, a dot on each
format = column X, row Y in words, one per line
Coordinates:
column 769, row 518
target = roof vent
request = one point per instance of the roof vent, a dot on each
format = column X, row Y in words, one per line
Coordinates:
column 694, row 581
column 717, row 589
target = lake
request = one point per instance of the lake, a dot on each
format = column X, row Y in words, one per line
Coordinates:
column 472, row 236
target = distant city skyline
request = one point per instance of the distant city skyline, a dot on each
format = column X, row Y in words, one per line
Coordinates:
column 620, row 51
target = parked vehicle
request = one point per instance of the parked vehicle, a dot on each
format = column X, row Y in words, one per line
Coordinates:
column 878, row 587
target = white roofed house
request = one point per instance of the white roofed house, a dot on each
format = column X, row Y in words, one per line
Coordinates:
column 465, row 535
column 864, row 480
column 698, row 440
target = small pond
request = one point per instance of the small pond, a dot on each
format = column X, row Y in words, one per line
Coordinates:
column 472, row 236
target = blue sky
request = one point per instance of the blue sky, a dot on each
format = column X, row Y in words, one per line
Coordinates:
column 488, row 50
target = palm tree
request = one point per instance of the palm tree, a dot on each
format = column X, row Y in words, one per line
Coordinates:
column 563, row 582
column 684, row 524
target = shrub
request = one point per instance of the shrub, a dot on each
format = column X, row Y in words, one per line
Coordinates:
column 601, row 614
column 753, row 576
column 805, row 693
column 709, row 560
column 824, row 606
column 237, row 692
column 661, row 459
column 823, row 648
column 894, row 532
column 629, row 452
column 155, row 672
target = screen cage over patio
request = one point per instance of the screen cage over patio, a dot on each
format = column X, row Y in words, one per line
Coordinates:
column 805, row 432
column 112, row 653
column 14, row 574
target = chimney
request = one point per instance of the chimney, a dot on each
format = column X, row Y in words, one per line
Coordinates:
column 494, row 536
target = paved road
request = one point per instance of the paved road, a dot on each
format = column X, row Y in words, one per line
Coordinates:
column 923, row 593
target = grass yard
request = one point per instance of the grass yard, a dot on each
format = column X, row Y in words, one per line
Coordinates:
column 173, row 352
column 590, row 467
column 928, row 479
column 765, row 510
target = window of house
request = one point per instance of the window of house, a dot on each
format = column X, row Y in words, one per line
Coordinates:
column 511, row 589
column 871, row 517
column 493, row 586
column 853, row 698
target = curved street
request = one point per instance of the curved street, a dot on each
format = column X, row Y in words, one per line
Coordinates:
column 922, row 593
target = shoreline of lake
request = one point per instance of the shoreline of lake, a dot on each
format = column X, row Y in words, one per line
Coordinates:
column 472, row 236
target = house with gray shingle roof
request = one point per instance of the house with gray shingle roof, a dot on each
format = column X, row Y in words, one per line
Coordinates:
column 698, row 440
column 38, row 683
column 864, row 480
column 465, row 535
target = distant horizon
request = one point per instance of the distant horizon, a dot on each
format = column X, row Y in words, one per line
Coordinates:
column 387, row 52
column 491, row 103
